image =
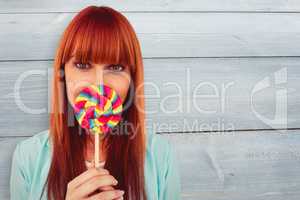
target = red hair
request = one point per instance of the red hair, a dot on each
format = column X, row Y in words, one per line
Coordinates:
column 101, row 35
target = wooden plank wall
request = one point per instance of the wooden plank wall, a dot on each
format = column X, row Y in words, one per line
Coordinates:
column 225, row 90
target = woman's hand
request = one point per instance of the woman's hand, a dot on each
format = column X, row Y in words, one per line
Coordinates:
column 84, row 186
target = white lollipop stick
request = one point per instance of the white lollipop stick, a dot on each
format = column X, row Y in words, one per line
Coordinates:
column 97, row 157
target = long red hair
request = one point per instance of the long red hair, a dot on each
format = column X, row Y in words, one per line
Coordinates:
column 101, row 35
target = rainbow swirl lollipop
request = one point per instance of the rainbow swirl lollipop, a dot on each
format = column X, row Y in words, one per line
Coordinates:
column 98, row 108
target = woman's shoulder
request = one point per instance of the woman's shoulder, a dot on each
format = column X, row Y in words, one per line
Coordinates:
column 162, row 167
column 156, row 140
column 35, row 142
column 29, row 154
column 159, row 147
column 29, row 150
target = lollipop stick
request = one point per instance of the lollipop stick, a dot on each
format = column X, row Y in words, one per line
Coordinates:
column 97, row 163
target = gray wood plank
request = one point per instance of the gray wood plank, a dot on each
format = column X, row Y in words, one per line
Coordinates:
column 239, row 165
column 158, row 5
column 260, row 165
column 175, row 94
column 165, row 34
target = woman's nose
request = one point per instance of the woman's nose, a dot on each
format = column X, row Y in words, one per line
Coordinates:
column 98, row 76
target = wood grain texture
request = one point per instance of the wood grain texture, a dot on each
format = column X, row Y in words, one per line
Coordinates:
column 164, row 34
column 154, row 6
column 220, row 166
column 239, row 165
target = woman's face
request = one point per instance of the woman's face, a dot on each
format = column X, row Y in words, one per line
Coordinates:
column 79, row 75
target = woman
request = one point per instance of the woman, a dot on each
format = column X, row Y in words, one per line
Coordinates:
column 99, row 46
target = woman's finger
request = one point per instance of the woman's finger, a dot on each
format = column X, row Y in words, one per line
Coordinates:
column 107, row 195
column 88, row 174
column 93, row 184
column 119, row 198
column 106, row 188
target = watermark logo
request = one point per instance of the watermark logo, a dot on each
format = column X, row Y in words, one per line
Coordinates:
column 279, row 121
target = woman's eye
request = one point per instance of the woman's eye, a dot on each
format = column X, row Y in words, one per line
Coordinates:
column 82, row 65
column 116, row 67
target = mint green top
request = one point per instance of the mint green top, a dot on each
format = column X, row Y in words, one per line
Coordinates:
column 31, row 161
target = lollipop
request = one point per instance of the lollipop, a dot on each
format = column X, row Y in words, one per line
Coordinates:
column 98, row 109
